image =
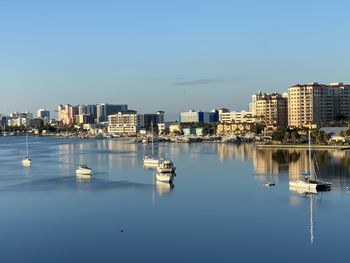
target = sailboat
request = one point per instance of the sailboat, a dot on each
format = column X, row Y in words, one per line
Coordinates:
column 151, row 160
column 309, row 180
column 26, row 161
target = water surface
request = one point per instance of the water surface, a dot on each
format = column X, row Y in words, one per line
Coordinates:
column 217, row 211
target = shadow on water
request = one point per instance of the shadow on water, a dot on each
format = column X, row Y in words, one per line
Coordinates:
column 74, row 183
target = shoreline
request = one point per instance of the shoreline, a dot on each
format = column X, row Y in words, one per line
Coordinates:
column 303, row 146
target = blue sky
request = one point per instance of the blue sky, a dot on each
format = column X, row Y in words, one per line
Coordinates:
column 169, row 55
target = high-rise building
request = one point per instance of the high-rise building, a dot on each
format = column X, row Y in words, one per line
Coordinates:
column 66, row 114
column 44, row 115
column 19, row 119
column 271, row 108
column 318, row 104
column 103, row 110
column 147, row 119
column 123, row 123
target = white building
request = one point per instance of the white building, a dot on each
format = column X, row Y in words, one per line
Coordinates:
column 19, row 119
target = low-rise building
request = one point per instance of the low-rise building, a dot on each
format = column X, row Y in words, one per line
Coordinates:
column 175, row 128
column 239, row 128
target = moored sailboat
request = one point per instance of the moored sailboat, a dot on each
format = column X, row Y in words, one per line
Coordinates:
column 309, row 180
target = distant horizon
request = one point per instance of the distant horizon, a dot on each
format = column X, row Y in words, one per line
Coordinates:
column 173, row 115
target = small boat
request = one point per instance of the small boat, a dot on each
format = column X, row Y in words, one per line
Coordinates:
column 166, row 166
column 308, row 180
column 165, row 177
column 149, row 161
column 26, row 161
column 83, row 170
column 269, row 184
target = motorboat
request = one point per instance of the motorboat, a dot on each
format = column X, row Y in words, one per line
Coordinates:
column 165, row 177
column 166, row 166
column 83, row 170
column 308, row 180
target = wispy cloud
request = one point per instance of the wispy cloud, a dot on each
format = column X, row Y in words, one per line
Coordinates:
column 202, row 81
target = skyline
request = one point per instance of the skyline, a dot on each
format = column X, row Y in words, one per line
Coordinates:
column 166, row 56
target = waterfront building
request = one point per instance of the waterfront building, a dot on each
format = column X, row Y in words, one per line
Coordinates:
column 103, row 110
column 66, row 114
column 19, row 119
column 145, row 120
column 85, row 118
column 189, row 131
column 44, row 115
column 318, row 104
column 175, row 128
column 271, row 108
column 3, row 121
column 226, row 116
column 239, row 128
column 193, row 116
column 37, row 123
column 124, row 123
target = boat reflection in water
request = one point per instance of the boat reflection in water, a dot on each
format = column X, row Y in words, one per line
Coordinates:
column 164, row 188
column 312, row 195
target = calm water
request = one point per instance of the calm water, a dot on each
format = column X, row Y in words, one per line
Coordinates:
column 218, row 211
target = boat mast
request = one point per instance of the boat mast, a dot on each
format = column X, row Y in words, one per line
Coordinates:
column 27, row 145
column 310, row 170
column 152, row 136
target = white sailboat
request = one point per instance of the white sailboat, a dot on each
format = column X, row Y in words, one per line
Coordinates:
column 309, row 180
column 151, row 161
column 26, row 161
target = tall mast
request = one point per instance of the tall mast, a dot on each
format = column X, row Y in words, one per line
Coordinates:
column 152, row 136
column 310, row 169
column 27, row 144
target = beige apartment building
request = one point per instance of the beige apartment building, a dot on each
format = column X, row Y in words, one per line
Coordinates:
column 270, row 108
column 65, row 114
column 318, row 104
column 124, row 123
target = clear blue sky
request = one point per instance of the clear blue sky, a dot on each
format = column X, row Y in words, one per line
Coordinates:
column 169, row 55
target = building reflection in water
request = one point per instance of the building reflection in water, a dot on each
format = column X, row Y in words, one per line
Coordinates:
column 107, row 152
column 334, row 165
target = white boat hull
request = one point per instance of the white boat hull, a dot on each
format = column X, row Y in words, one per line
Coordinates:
column 150, row 162
column 83, row 172
column 309, row 185
column 303, row 185
column 165, row 177
column 26, row 162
